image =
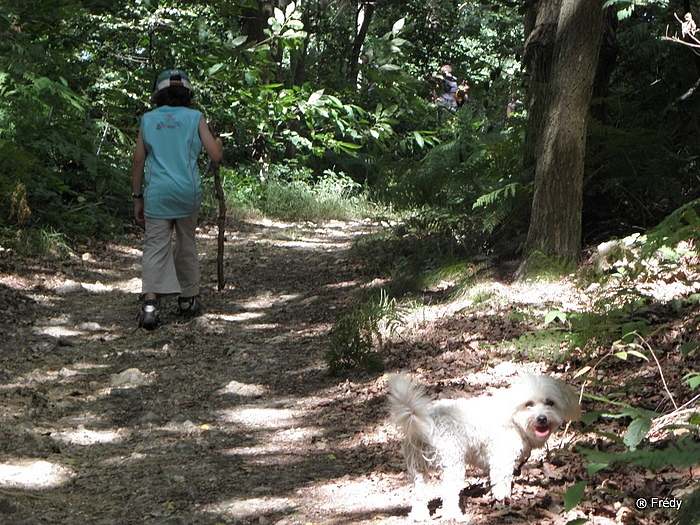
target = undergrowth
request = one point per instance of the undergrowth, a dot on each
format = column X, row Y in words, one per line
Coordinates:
column 356, row 339
column 35, row 242
column 289, row 193
column 625, row 323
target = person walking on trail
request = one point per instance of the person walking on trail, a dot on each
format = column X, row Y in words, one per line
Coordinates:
column 448, row 88
column 167, row 195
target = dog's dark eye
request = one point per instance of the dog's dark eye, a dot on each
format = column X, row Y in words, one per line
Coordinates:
column 530, row 404
column 549, row 402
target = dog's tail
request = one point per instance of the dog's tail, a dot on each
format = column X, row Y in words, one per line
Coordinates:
column 408, row 405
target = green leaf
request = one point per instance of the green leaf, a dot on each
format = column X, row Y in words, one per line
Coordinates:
column 638, row 354
column 591, row 416
column 553, row 315
column 573, row 495
column 279, row 16
column 290, row 9
column 419, row 139
column 315, row 97
column 689, row 348
column 215, row 69
column 594, row 468
column 636, row 432
column 693, row 379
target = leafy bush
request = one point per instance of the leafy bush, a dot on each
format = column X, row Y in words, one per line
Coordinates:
column 356, row 337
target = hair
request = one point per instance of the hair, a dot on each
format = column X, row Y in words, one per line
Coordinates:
column 173, row 96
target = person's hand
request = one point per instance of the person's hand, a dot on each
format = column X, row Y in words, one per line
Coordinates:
column 138, row 210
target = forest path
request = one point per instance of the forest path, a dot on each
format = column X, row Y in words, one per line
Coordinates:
column 227, row 418
column 231, row 417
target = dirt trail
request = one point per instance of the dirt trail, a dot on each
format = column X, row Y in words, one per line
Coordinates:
column 228, row 418
column 231, row 417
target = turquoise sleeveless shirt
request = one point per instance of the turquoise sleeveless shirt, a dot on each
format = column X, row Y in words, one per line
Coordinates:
column 173, row 189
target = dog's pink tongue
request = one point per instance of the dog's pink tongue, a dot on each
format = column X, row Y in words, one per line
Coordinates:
column 542, row 431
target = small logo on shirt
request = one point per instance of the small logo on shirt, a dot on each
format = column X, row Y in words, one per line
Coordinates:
column 169, row 123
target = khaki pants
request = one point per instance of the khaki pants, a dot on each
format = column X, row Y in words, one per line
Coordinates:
column 168, row 269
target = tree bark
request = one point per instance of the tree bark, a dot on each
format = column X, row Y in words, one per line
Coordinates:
column 365, row 10
column 555, row 223
column 540, row 38
column 254, row 20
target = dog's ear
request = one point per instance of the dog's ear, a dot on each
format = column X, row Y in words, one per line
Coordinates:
column 572, row 409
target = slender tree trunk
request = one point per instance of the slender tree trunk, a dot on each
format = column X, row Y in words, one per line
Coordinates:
column 254, row 20
column 555, row 223
column 365, row 10
column 298, row 58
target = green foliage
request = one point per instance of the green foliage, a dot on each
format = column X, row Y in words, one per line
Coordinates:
column 682, row 453
column 689, row 513
column 574, row 494
column 289, row 193
column 611, row 323
column 693, row 379
column 681, row 225
column 543, row 345
column 356, row 337
column 641, row 167
column 75, row 76
column 351, row 346
column 33, row 243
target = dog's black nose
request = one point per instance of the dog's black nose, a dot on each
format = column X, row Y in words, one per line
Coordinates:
column 542, row 420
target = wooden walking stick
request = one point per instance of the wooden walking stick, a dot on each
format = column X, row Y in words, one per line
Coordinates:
column 220, row 221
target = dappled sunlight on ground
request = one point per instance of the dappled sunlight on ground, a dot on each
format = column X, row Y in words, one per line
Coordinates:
column 231, row 417
column 84, row 437
column 33, row 474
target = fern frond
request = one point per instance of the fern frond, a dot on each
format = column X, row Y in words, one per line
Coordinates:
column 497, row 195
column 689, row 513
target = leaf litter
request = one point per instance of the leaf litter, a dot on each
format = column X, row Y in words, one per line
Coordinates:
column 231, row 417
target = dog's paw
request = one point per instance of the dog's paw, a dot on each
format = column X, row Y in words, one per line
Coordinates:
column 419, row 515
column 501, row 491
column 455, row 516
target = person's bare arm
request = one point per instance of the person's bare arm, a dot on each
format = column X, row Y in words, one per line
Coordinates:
column 137, row 167
column 212, row 145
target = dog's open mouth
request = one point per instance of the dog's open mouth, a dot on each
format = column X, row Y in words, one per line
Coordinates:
column 542, row 429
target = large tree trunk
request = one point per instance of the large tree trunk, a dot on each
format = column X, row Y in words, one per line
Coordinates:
column 540, row 37
column 555, row 223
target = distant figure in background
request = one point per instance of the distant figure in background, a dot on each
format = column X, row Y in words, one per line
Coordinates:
column 462, row 93
column 448, row 88
column 513, row 105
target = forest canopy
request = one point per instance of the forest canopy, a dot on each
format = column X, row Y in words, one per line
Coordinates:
column 343, row 91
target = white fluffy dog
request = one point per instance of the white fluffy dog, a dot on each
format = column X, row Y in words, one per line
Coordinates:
column 495, row 433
